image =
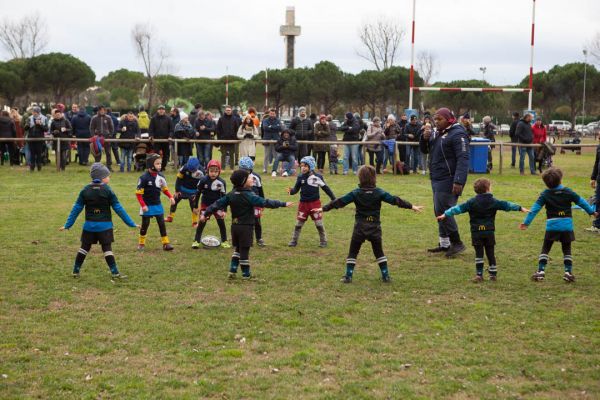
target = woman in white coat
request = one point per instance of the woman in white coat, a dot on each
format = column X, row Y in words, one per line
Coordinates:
column 248, row 133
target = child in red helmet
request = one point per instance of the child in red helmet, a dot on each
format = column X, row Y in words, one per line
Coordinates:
column 211, row 187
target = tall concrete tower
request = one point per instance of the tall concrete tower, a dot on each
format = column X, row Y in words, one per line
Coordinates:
column 289, row 31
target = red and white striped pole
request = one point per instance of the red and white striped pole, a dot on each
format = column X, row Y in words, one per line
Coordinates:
column 226, row 86
column 529, row 103
column 412, row 59
column 266, row 88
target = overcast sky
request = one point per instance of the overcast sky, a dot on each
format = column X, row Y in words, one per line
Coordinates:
column 203, row 37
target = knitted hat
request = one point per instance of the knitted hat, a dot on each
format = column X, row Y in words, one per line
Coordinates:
column 239, row 177
column 349, row 115
column 446, row 114
column 151, row 159
column 391, row 117
column 310, row 161
column 161, row 107
column 193, row 164
column 301, row 109
column 466, row 115
column 98, row 171
column 246, row 163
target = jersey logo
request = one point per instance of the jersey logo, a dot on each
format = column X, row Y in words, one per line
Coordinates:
column 561, row 213
column 96, row 211
column 370, row 218
column 482, row 227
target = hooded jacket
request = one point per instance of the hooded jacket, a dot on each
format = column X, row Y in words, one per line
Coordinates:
column 143, row 120
column 227, row 127
column 448, row 157
column 523, row 133
column 8, row 128
column 287, row 145
column 81, row 124
column 351, row 129
column 161, row 126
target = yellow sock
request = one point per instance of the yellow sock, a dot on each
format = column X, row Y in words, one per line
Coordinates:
column 172, row 214
column 164, row 240
column 142, row 239
column 194, row 218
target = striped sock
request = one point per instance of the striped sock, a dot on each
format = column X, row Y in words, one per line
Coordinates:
column 543, row 260
column 245, row 264
column 350, row 263
column 493, row 270
column 112, row 263
column 568, row 259
column 382, row 262
column 235, row 262
column 479, row 266
column 79, row 259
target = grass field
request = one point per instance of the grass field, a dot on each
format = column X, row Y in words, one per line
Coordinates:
column 179, row 329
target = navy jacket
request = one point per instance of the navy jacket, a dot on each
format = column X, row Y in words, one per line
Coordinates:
column 308, row 185
column 449, row 157
column 81, row 124
column 291, row 147
column 351, row 129
column 523, row 132
column 271, row 128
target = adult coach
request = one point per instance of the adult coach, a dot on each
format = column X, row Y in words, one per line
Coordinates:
column 448, row 149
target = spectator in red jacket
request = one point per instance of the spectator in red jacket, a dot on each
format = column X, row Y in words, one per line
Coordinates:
column 539, row 136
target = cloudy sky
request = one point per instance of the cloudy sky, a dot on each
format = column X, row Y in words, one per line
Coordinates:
column 205, row 37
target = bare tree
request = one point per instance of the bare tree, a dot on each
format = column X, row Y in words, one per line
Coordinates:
column 427, row 65
column 24, row 38
column 594, row 47
column 153, row 54
column 381, row 41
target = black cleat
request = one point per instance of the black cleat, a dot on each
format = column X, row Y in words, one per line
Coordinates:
column 455, row 248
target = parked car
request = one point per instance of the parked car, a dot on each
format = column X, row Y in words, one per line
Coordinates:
column 337, row 123
column 562, row 125
column 504, row 128
column 584, row 130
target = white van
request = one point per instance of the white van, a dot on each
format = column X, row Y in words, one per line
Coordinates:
column 560, row 125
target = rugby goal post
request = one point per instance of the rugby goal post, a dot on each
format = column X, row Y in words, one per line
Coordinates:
column 413, row 88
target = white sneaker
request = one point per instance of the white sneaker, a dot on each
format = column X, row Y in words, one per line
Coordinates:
column 284, row 173
column 593, row 229
column 274, row 173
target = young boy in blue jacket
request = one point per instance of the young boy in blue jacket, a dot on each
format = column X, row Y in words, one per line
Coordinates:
column 97, row 198
column 559, row 224
column 309, row 183
column 186, row 187
column 248, row 164
column 482, row 212
column 242, row 202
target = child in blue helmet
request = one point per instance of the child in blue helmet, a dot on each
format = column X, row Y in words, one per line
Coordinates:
column 246, row 163
column 308, row 183
column 186, row 188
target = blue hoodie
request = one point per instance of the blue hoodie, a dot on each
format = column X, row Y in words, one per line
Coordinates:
column 81, row 124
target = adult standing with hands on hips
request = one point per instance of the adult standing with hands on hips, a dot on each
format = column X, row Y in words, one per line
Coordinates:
column 448, row 149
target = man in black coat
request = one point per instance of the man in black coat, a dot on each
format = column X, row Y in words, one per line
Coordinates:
column 448, row 149
column 513, row 138
column 304, row 129
column 524, row 135
column 227, row 128
column 161, row 127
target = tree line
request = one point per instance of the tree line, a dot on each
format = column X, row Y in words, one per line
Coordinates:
column 56, row 77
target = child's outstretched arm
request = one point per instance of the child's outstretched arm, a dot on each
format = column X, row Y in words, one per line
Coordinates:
column 328, row 191
column 456, row 210
column 296, row 187
column 340, row 202
column 116, row 205
column 580, row 201
column 397, row 201
column 258, row 201
column 75, row 211
column 535, row 209
column 220, row 204
column 509, row 206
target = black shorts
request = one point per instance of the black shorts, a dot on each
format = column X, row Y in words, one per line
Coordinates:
column 483, row 240
column 242, row 235
column 366, row 230
column 103, row 237
column 563, row 237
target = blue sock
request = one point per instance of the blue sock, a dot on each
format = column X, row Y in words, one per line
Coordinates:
column 543, row 260
column 76, row 268
column 350, row 263
column 382, row 261
column 568, row 263
column 245, row 270
column 479, row 266
column 235, row 262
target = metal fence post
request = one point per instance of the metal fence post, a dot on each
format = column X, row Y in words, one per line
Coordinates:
column 57, row 150
column 501, row 158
